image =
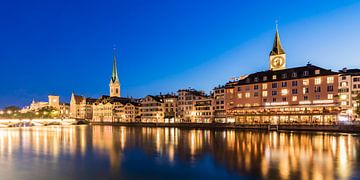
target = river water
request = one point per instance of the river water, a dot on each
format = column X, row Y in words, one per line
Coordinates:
column 114, row 152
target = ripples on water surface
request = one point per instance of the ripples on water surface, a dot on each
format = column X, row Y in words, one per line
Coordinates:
column 106, row 152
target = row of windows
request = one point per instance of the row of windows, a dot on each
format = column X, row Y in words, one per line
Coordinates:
column 317, row 89
column 330, row 80
column 295, row 98
column 283, row 76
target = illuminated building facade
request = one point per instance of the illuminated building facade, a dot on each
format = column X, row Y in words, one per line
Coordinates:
column 110, row 109
column 81, row 107
column 203, row 111
column 186, row 98
column 349, row 88
column 161, row 108
column 219, row 104
column 306, row 94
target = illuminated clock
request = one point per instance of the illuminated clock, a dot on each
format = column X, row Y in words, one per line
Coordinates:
column 277, row 62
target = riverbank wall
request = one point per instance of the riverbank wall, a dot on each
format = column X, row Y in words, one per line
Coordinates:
column 267, row 127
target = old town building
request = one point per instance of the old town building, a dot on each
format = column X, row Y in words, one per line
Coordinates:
column 349, row 89
column 219, row 104
column 161, row 108
column 306, row 94
column 110, row 109
column 203, row 110
column 132, row 112
column 81, row 107
column 186, row 98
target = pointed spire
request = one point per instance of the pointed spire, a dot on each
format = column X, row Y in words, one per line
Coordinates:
column 114, row 75
column 277, row 49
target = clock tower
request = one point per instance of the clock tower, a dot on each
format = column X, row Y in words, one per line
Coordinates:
column 277, row 58
column 114, row 81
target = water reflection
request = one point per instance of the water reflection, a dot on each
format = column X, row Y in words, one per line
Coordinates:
column 252, row 154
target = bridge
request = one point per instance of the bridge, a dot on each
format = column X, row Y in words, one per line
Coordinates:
column 38, row 122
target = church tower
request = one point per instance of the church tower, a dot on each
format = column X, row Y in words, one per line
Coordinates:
column 277, row 58
column 114, row 81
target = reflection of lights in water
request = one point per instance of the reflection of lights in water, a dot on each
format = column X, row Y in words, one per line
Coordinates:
column 343, row 169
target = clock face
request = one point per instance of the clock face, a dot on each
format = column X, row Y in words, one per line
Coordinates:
column 277, row 62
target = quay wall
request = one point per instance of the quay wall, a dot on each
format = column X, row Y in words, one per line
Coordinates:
column 328, row 128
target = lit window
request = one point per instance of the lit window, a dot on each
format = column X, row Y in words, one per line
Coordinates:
column 330, row 96
column 305, row 82
column 317, row 81
column 239, row 95
column 247, row 95
column 264, row 93
column 284, row 92
column 317, row 71
column 343, row 96
column 274, row 77
column 330, row 80
column 343, row 103
column 264, row 86
column 343, row 84
column 265, row 78
column 305, row 90
column 294, row 98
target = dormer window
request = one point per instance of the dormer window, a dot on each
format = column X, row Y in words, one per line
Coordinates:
column 294, row 74
column 247, row 80
column 274, row 77
column 283, row 76
column 306, row 73
column 256, row 79
column 317, row 71
column 265, row 78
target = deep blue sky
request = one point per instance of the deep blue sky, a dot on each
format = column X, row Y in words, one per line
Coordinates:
column 57, row 46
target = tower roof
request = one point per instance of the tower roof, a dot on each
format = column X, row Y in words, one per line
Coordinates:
column 277, row 49
column 114, row 75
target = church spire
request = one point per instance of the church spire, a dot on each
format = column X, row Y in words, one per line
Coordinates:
column 114, row 75
column 277, row 49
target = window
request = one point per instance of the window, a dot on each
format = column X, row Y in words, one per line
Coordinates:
column 256, row 94
column 356, row 79
column 317, row 71
column 306, row 73
column 305, row 82
column 294, row 74
column 247, row 80
column 265, row 78
column 317, row 96
column 274, row 99
column 294, row 83
column 274, row 93
column 317, row 89
column 283, row 76
column 256, row 79
column 264, row 93
column 239, row 88
column 283, row 84
column 284, row 99
column 264, row 86
column 274, row 77
column 247, row 95
column 354, row 86
column 306, row 98
column 294, row 98
column 330, row 80
column 317, row 81
column 343, row 78
column 305, row 90
column 330, row 88
column 247, row 88
column 330, row 96
column 256, row 87
column 284, row 92
column 274, row 85
column 343, row 84
column 294, row 91
column 264, row 100
column 239, row 95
